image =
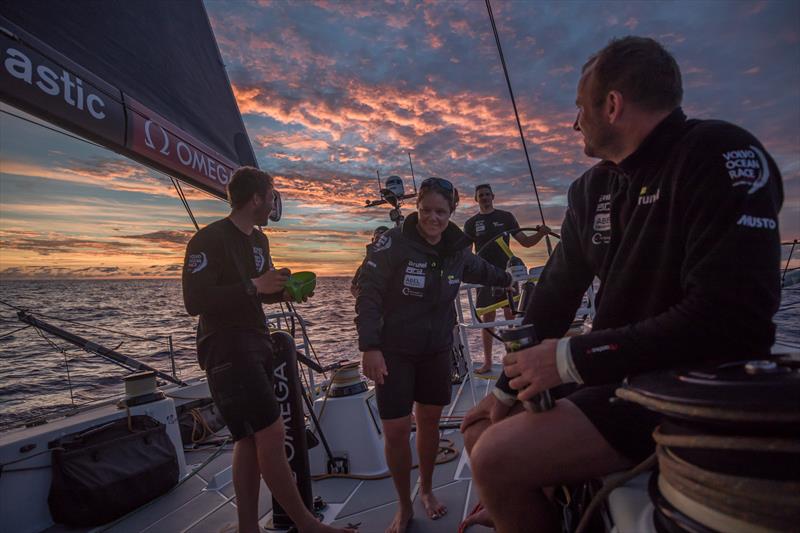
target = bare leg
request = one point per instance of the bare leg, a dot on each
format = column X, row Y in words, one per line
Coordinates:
column 275, row 470
column 487, row 344
column 471, row 434
column 398, row 456
column 515, row 458
column 427, row 447
column 246, row 484
column 474, row 430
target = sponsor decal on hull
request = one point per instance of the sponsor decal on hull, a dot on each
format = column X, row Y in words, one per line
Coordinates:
column 154, row 138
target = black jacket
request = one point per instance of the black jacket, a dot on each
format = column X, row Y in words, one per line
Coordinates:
column 408, row 289
column 683, row 236
column 220, row 260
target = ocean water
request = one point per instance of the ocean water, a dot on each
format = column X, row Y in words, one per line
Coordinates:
column 41, row 375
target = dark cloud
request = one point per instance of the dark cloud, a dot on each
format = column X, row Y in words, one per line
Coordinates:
column 170, row 237
column 47, row 246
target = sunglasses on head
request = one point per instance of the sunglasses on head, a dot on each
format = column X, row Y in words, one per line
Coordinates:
column 440, row 183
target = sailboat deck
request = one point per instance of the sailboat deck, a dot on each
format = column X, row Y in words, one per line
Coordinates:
column 203, row 503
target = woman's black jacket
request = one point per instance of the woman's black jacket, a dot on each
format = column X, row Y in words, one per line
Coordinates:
column 408, row 288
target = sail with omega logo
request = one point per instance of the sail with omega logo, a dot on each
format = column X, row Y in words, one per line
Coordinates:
column 142, row 78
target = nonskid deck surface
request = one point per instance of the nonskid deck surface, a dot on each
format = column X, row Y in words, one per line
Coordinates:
column 205, row 504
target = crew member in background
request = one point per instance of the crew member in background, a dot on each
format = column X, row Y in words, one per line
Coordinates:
column 380, row 230
column 483, row 228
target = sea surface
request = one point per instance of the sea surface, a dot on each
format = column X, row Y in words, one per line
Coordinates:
column 41, row 375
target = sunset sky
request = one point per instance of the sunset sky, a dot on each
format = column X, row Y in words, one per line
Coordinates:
column 332, row 91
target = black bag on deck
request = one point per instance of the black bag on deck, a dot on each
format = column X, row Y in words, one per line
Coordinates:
column 105, row 472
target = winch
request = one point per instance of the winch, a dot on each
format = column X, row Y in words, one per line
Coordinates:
column 347, row 381
column 729, row 446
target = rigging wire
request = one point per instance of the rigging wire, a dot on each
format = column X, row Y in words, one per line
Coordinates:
column 66, row 362
column 788, row 259
column 306, row 338
column 519, row 123
column 413, row 179
column 184, row 201
column 155, row 339
column 4, row 335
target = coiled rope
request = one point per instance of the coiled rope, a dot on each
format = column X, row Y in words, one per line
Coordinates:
column 730, row 501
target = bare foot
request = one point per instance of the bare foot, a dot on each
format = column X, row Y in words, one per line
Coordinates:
column 480, row 516
column 484, row 369
column 433, row 508
column 401, row 520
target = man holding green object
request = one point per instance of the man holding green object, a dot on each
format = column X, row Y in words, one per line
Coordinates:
column 227, row 275
column 300, row 286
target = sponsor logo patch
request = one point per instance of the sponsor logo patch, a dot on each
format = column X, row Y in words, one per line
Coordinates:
column 196, row 262
column 747, row 168
column 602, row 222
column 757, row 222
column 416, row 282
column 480, row 226
column 603, row 204
column 603, row 348
column 647, row 199
column 410, row 292
column 383, row 243
column 452, row 280
column 258, row 255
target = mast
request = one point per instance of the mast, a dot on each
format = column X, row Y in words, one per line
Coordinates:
column 519, row 123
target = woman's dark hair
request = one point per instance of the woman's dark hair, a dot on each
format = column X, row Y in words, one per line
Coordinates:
column 639, row 68
column 246, row 182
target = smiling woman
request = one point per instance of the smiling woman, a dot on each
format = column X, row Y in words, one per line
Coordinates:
column 436, row 202
column 408, row 285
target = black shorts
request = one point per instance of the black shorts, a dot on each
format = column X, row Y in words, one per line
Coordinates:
column 413, row 378
column 626, row 426
column 239, row 371
column 490, row 295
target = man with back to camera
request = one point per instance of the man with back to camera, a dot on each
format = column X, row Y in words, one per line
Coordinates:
column 680, row 223
column 227, row 275
column 482, row 228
